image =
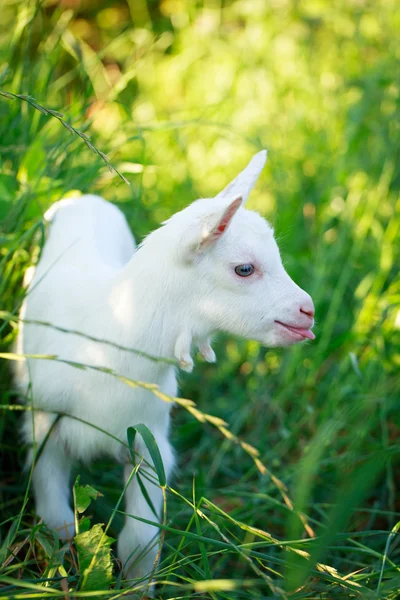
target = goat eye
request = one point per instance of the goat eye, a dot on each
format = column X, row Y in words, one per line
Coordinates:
column 244, row 270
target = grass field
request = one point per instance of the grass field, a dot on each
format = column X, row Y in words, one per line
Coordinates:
column 179, row 95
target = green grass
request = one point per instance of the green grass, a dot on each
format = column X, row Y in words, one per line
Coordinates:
column 177, row 96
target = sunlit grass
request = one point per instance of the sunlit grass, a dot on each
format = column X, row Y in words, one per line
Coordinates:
column 178, row 96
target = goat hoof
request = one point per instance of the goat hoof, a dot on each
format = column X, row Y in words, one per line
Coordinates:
column 186, row 364
column 208, row 354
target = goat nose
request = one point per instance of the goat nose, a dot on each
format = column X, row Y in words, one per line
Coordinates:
column 307, row 308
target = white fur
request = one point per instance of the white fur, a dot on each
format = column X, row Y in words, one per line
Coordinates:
column 175, row 292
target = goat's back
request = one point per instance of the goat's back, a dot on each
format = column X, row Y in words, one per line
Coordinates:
column 88, row 231
column 88, row 242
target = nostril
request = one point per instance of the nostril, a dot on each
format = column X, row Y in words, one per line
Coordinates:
column 307, row 311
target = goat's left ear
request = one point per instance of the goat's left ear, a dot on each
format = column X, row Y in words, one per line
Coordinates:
column 218, row 225
column 246, row 180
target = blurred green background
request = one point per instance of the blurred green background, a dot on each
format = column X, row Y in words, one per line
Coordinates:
column 179, row 95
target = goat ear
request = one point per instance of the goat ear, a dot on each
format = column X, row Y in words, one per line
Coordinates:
column 246, row 180
column 221, row 223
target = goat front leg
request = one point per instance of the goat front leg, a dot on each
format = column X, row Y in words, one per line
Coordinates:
column 51, row 487
column 138, row 541
column 182, row 351
column 206, row 351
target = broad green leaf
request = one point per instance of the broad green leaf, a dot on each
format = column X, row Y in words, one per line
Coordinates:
column 83, row 495
column 94, row 556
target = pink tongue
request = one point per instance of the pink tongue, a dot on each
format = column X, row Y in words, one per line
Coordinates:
column 307, row 333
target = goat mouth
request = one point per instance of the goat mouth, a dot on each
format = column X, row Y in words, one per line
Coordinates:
column 299, row 331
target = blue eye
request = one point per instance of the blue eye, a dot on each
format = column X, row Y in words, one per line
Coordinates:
column 244, row 270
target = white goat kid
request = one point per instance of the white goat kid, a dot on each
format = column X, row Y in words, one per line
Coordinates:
column 212, row 267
